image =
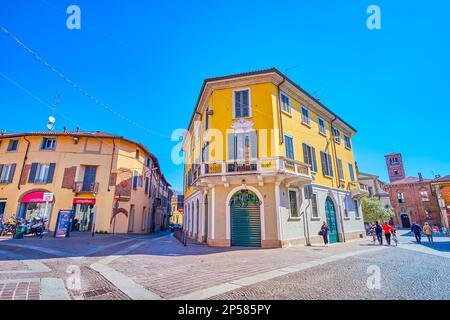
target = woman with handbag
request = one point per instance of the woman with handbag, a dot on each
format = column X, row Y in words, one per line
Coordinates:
column 324, row 233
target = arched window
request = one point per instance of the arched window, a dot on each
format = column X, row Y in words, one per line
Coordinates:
column 401, row 197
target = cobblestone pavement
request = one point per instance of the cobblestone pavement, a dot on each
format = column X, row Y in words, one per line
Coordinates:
column 19, row 290
column 404, row 275
column 158, row 266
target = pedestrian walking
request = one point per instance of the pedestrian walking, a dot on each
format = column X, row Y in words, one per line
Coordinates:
column 379, row 232
column 416, row 229
column 387, row 232
column 324, row 233
column 428, row 230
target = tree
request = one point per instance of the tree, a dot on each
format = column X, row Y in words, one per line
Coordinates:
column 373, row 210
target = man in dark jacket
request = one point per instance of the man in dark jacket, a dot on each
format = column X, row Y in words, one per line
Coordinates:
column 379, row 232
column 416, row 229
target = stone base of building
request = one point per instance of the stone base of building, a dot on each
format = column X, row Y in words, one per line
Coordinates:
column 219, row 243
column 270, row 244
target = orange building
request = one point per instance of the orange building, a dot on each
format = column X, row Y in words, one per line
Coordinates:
column 111, row 183
column 441, row 186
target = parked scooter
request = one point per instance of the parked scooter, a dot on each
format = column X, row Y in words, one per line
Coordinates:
column 35, row 226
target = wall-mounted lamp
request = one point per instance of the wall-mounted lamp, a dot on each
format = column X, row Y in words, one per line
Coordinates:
column 75, row 140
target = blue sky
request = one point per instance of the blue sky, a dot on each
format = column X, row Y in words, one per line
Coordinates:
column 148, row 59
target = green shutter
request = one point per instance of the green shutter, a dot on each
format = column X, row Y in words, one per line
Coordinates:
column 231, row 147
column 314, row 162
column 32, row 175
column 51, row 172
column 246, row 226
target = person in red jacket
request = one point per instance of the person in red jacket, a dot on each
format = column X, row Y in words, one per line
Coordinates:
column 387, row 232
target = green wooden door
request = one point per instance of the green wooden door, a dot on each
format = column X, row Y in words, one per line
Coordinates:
column 331, row 221
column 245, row 220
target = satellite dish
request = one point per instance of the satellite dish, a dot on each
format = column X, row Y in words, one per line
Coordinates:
column 51, row 119
column 50, row 126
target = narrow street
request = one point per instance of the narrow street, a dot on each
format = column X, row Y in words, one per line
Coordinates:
column 159, row 267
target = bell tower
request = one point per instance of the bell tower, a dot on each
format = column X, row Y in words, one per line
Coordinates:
column 394, row 163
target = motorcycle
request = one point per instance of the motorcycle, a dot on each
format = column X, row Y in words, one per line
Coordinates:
column 36, row 226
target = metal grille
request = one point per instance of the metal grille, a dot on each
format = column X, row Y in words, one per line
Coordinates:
column 246, row 226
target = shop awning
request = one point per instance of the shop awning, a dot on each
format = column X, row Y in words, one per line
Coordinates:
column 34, row 197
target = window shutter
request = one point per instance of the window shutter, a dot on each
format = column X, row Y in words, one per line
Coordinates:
column 324, row 163
column 330, row 165
column 32, row 175
column 1, row 169
column 11, row 173
column 51, row 173
column 237, row 104
column 314, row 162
column 305, row 154
column 231, row 147
column 245, row 105
column 254, row 145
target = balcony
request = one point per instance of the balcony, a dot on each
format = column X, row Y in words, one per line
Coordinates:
column 82, row 187
column 263, row 170
column 358, row 190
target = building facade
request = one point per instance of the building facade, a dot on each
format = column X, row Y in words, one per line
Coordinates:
column 266, row 163
column 441, row 186
column 111, row 183
column 411, row 197
column 376, row 188
column 177, row 209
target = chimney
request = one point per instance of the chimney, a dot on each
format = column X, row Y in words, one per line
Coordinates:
column 420, row 177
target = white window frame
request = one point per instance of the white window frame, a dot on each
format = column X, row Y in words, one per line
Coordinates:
column 424, row 197
column 46, row 140
column 5, row 172
column 250, row 115
column 324, row 131
column 293, row 146
column 306, row 121
column 42, row 171
column 310, row 156
column 336, row 137
column 297, row 201
column 314, row 198
column 289, row 112
column 9, row 143
column 352, row 173
column 348, row 143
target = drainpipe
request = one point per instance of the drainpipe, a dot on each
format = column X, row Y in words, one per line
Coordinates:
column 25, row 158
column 111, row 167
column 333, row 144
column 280, row 120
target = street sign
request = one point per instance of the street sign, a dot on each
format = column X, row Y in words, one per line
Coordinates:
column 116, row 197
column 180, row 210
column 48, row 197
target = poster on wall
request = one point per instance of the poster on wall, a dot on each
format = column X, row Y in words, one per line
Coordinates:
column 63, row 223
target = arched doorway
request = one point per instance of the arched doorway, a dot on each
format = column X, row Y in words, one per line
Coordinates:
column 405, row 221
column 206, row 218
column 245, row 218
column 330, row 212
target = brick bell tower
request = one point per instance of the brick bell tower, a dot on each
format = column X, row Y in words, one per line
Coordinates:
column 394, row 164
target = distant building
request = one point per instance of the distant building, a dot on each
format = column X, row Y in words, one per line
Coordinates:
column 376, row 188
column 177, row 205
column 441, row 185
column 411, row 197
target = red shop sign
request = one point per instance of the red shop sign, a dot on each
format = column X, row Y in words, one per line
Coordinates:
column 83, row 201
column 34, row 197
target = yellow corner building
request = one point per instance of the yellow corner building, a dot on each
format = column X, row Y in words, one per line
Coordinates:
column 111, row 183
column 266, row 163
